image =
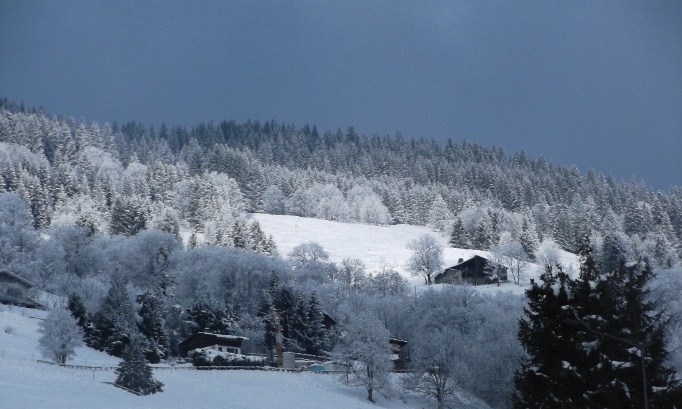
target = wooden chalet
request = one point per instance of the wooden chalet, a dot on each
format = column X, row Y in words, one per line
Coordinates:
column 477, row 270
column 219, row 342
column 14, row 290
column 396, row 357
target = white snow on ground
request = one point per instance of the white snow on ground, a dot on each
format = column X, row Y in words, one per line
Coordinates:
column 377, row 246
column 27, row 384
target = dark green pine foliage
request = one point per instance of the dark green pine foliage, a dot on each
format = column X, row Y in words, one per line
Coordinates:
column 569, row 366
column 113, row 324
column 619, row 305
column 209, row 317
column 316, row 337
column 80, row 313
column 298, row 324
column 614, row 252
column 153, row 326
column 240, row 234
column 459, row 237
column 134, row 372
column 545, row 378
column 127, row 217
column 267, row 311
column 284, row 302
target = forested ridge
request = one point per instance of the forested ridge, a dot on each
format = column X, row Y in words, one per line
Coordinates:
column 280, row 168
column 144, row 232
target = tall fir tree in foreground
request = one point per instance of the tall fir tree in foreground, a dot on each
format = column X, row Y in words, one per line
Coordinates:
column 597, row 363
column 134, row 372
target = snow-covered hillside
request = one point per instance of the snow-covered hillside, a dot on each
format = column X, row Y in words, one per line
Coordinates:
column 27, row 384
column 377, row 246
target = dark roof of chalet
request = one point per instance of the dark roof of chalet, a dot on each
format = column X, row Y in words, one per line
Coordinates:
column 17, row 278
column 219, row 336
column 328, row 318
column 397, row 341
column 214, row 337
column 473, row 259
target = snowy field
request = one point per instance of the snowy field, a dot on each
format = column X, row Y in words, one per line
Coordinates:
column 27, row 384
column 379, row 246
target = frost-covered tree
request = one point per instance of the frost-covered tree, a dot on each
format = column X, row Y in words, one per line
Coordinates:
column 427, row 257
column 439, row 215
column 308, row 252
column 352, row 274
column 437, row 371
column 60, row 335
column 273, row 200
column 366, row 351
column 511, row 254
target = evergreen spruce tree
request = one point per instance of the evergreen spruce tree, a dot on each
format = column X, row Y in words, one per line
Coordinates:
column 205, row 316
column 153, row 326
column 546, row 378
column 459, row 237
column 193, row 242
column 134, row 372
column 77, row 308
column 127, row 217
column 285, row 302
column 113, row 324
column 596, row 362
column 317, row 340
column 298, row 327
column 267, row 313
column 240, row 234
column 528, row 238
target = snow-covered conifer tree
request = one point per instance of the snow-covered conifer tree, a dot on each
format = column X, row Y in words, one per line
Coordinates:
column 134, row 372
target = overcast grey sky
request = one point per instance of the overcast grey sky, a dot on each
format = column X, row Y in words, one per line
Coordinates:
column 592, row 83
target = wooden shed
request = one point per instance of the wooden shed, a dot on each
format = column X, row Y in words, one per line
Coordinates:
column 477, row 270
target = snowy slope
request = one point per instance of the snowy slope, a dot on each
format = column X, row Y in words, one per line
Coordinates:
column 27, row 384
column 377, row 245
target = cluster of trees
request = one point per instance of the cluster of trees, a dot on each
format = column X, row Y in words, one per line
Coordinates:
column 299, row 322
column 95, row 212
column 119, row 179
column 597, row 340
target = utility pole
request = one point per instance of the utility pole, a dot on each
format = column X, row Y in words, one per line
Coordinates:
column 278, row 339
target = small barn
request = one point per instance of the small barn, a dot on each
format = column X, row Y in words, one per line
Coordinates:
column 477, row 270
column 219, row 342
column 14, row 290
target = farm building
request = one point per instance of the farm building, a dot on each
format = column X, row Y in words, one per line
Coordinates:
column 477, row 270
column 221, row 343
column 14, row 290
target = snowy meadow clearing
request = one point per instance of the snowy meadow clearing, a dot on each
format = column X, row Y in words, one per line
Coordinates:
column 382, row 246
column 26, row 383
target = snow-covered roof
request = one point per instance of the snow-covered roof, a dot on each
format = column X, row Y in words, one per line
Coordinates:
column 17, row 278
column 235, row 337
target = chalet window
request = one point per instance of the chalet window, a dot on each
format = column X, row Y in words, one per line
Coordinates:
column 220, row 349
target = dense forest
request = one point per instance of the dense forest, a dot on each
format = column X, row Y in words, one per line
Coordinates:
column 205, row 177
column 144, row 231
